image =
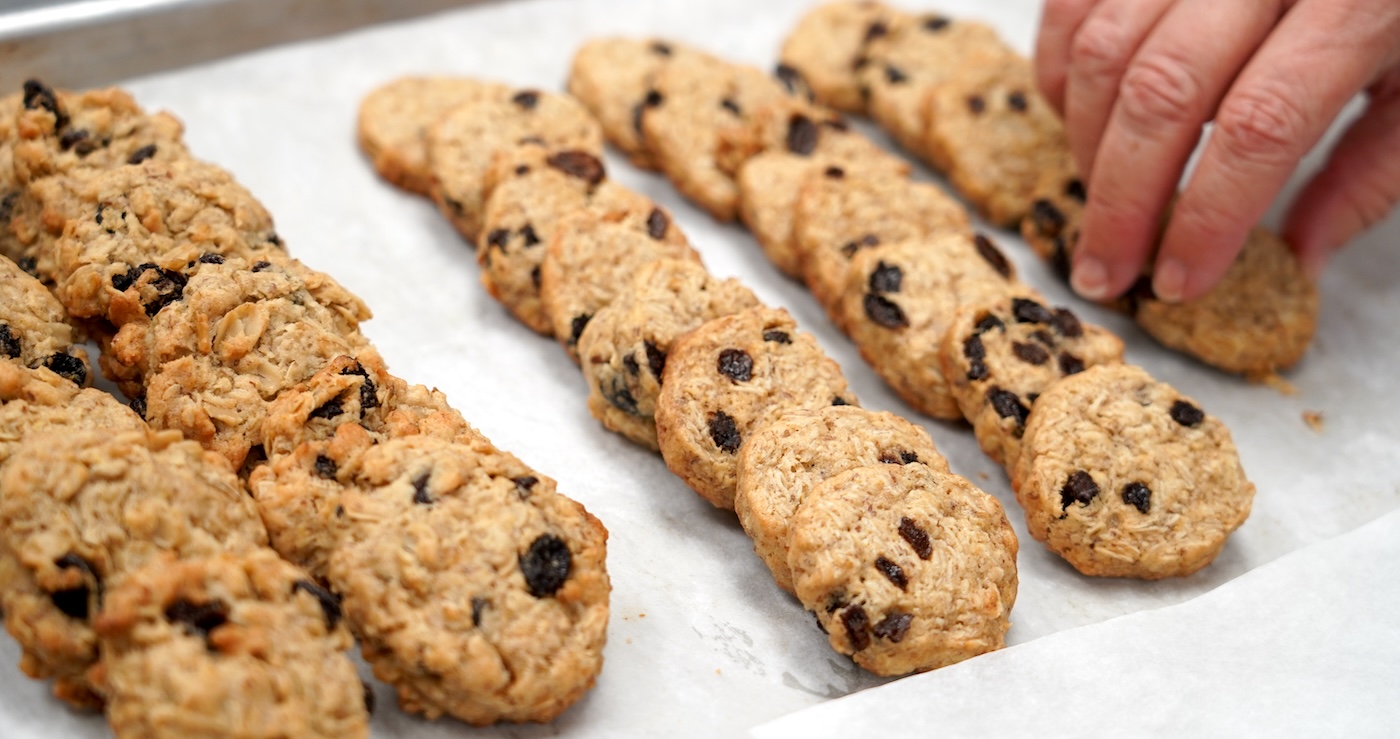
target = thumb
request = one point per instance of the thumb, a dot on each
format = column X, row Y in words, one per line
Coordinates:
column 1359, row 185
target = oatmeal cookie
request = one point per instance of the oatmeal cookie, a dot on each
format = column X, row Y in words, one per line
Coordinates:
column 34, row 331
column 612, row 76
column 829, row 44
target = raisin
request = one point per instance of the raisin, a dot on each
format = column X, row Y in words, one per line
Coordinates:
column 1044, row 337
column 326, row 467
column 1138, row 496
column 988, row 323
column 653, row 99
column 479, row 605
column 792, row 80
column 526, row 99
column 1075, row 189
column 328, row 410
column 993, row 255
column 29, row 265
column 522, row 170
column 658, row 223
column 535, row 276
column 629, row 363
column 9, row 343
column 660, row 48
column 620, row 396
column 524, row 485
column 1186, row 414
column 142, row 154
column 976, row 104
column 887, row 278
column 71, row 138
column 169, row 286
column 894, row 75
column 38, row 95
column 1059, row 258
column 916, row 536
column 876, row 30
column 211, row 258
column 908, row 457
column 1048, row 219
column 1079, row 488
column 893, row 572
column 546, row 565
column 260, row 265
column 777, row 337
column 138, row 406
column 656, row 359
column 1070, row 364
column 369, row 698
column 7, row 205
column 1139, row 293
column 456, row 206
column 577, row 326
column 731, row 106
column 528, row 237
column 1067, row 324
column 420, row 489
column 578, row 164
column 885, row 312
column 1008, row 405
column 977, row 370
column 834, row 173
column 68, row 367
column 198, row 618
column 1029, row 311
column 851, row 248
column 498, row 238
column 724, row 432
column 936, row 23
column 802, row 135
column 76, row 602
column 275, row 240
column 368, row 398
column 1017, row 101
column 838, row 400
column 973, row 348
column 330, row 602
column 893, row 627
column 856, row 623
column 1030, row 353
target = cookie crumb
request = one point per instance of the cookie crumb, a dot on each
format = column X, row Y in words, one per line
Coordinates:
column 1314, row 420
column 1272, row 379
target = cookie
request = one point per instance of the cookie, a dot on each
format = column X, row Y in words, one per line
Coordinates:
column 906, row 567
column 593, row 256
column 839, row 214
column 1261, row 317
column 918, row 53
column 80, row 510
column 828, row 44
column 394, row 118
column 900, row 299
column 623, row 348
column 1123, row 476
column 1051, row 227
column 34, row 331
column 724, row 379
column 231, row 645
column 694, row 99
column 34, row 401
column 996, row 137
column 475, row 589
column 463, row 143
column 786, row 457
column 611, row 77
column 531, row 189
column 998, row 357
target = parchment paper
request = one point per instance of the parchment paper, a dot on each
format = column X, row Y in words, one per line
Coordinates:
column 701, row 642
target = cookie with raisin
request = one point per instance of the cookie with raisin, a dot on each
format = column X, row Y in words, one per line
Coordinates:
column 623, row 348
column 612, row 76
column 1123, row 476
column 840, row 214
column 79, row 510
column 1051, row 226
column 393, row 121
column 34, row 329
column 787, row 456
column 592, row 257
column 828, row 45
column 463, row 143
column 475, row 588
column 725, row 378
column 907, row 568
column 999, row 357
column 229, row 645
column 900, row 298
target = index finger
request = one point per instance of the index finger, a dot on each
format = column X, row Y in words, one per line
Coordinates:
column 1059, row 22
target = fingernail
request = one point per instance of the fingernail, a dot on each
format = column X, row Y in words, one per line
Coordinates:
column 1090, row 278
column 1169, row 280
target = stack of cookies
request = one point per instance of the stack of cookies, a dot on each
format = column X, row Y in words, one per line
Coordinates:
column 215, row 333
column 739, row 402
column 933, row 306
column 954, row 94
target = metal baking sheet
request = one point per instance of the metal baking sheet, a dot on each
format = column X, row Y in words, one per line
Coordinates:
column 701, row 643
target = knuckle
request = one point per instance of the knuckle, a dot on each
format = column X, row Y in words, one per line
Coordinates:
column 1261, row 125
column 1100, row 47
column 1159, row 89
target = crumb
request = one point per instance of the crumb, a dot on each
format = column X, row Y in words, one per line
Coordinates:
column 982, row 476
column 717, row 671
column 1274, row 380
column 1314, row 420
column 641, row 615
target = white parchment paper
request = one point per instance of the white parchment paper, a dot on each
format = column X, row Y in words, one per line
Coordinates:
column 701, row 642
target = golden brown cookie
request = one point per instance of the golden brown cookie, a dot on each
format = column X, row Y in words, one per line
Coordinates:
column 828, row 45
column 612, row 76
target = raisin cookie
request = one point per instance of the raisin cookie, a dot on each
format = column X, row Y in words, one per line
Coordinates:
column 1051, row 227
column 463, row 144
column 593, row 256
column 233, row 645
column 900, row 299
column 33, row 327
column 790, row 454
column 1125, row 477
column 611, row 77
column 531, row 189
column 80, row 510
column 906, row 567
column 999, row 357
column 475, row 588
column 623, row 348
column 839, row 214
column 827, row 47
column 724, row 379
column 394, row 118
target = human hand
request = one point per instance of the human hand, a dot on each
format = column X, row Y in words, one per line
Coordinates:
column 1135, row 81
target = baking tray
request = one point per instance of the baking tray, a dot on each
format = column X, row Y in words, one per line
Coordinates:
column 701, row 643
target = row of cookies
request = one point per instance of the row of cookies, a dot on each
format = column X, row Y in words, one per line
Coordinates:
column 954, row 94
column 744, row 407
column 124, row 550
column 937, row 311
column 213, row 331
